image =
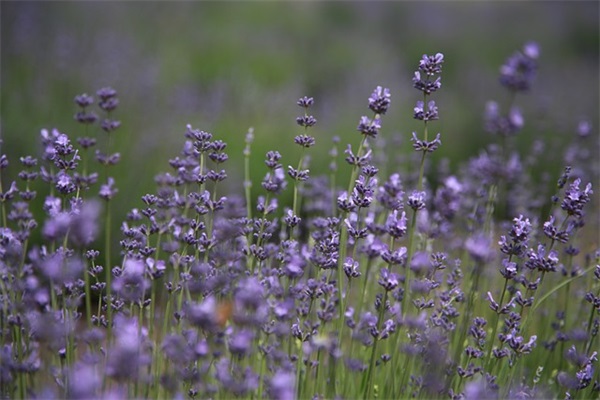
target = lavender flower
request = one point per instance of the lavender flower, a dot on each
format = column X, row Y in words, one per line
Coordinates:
column 429, row 113
column 80, row 225
column 518, row 71
column 416, row 200
column 388, row 280
column 379, row 101
column 426, row 146
column 575, row 199
column 479, row 247
column 131, row 285
column 128, row 357
column 369, row 127
column 351, row 268
column 540, row 261
column 430, row 66
column 282, row 386
column 108, row 190
column 503, row 125
column 275, row 182
column 206, row 299
column 396, row 226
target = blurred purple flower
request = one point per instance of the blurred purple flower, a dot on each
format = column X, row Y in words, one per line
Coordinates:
column 518, row 71
column 129, row 355
column 282, row 385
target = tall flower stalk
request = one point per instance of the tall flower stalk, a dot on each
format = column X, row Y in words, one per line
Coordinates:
column 108, row 103
column 379, row 102
column 305, row 141
column 427, row 80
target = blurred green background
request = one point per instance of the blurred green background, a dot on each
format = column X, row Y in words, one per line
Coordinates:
column 226, row 66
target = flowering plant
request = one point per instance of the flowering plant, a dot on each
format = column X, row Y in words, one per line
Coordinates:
column 394, row 286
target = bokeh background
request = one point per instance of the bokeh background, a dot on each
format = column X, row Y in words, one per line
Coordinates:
column 226, row 66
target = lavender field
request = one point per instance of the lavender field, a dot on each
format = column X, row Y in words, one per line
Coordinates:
column 326, row 247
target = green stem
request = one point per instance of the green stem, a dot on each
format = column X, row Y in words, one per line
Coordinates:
column 247, row 180
column 296, row 184
column 88, row 297
column 108, row 269
column 369, row 384
column 410, row 252
column 344, row 244
column 495, row 325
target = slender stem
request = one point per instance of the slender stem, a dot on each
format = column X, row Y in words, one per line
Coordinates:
column 409, row 254
column 296, row 184
column 4, row 223
column 261, row 375
column 108, row 268
column 343, row 245
column 88, row 297
column 247, row 180
column 495, row 325
column 369, row 385
column 421, row 172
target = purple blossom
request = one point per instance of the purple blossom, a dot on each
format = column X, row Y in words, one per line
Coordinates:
column 305, row 102
column 108, row 190
column 84, row 382
column 388, row 280
column 80, row 225
column 503, row 125
column 426, row 146
column 345, row 203
column 351, row 268
column 128, row 356
column 240, row 343
column 518, row 72
column 83, row 100
column 369, row 127
column 60, row 267
column 420, row 263
column 131, row 285
column 10, row 193
column 553, row 233
column 479, row 248
column 396, row 226
column 540, row 261
column 379, row 101
column 519, row 237
column 203, row 315
column 65, row 183
column 281, row 386
column 426, row 85
column 177, row 349
column 213, row 295
column 575, row 199
column 275, row 181
column 416, row 200
column 426, row 114
column 355, row 160
column 305, row 121
column 431, row 65
column 396, row 257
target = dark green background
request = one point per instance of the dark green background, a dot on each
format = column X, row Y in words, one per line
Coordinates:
column 226, row 66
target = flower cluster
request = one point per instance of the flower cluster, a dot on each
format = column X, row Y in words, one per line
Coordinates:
column 477, row 284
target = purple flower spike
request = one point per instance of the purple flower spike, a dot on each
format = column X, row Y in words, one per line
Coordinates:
column 575, row 198
column 282, row 385
column 388, row 280
column 379, row 101
column 305, row 102
column 431, row 65
column 518, row 72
